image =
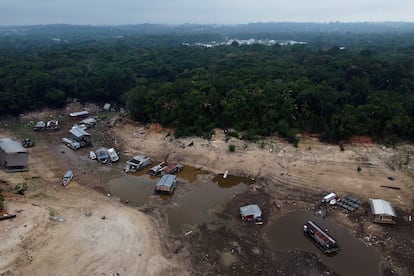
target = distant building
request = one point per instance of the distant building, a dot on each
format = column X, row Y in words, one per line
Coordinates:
column 13, row 156
column 382, row 211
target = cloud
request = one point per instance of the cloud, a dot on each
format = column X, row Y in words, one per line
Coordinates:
column 96, row 12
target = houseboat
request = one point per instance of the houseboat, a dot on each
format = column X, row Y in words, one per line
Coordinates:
column 251, row 212
column 320, row 238
column 166, row 184
column 79, row 115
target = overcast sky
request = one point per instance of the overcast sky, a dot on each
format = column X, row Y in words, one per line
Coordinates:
column 116, row 12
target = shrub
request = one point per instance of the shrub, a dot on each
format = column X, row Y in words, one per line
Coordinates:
column 232, row 148
column 233, row 134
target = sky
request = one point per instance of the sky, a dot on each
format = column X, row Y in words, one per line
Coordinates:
column 120, row 12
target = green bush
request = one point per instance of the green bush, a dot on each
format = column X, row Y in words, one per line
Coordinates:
column 262, row 144
column 232, row 148
column 234, row 134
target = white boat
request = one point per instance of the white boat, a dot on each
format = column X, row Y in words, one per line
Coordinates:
column 67, row 178
column 226, row 173
column 92, row 155
column 113, row 155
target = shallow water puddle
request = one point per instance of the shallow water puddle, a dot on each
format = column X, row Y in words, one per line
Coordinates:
column 355, row 258
column 133, row 189
column 198, row 206
column 231, row 181
column 190, row 173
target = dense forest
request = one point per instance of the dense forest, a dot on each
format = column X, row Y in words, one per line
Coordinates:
column 337, row 84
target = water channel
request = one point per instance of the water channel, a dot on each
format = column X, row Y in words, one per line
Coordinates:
column 355, row 258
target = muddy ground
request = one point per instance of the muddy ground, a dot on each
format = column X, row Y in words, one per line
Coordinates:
column 286, row 179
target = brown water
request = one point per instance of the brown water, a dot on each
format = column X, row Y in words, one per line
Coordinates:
column 231, row 181
column 132, row 188
column 190, row 173
column 198, row 206
column 355, row 258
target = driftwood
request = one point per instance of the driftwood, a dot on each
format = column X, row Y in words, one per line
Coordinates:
column 7, row 217
column 391, row 187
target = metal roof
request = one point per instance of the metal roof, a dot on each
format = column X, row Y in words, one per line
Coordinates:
column 251, row 210
column 167, row 180
column 88, row 121
column 138, row 159
column 79, row 113
column 11, row 146
column 40, row 124
column 78, row 132
column 68, row 174
column 381, row 207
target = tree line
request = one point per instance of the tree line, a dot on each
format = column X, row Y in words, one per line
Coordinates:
column 318, row 87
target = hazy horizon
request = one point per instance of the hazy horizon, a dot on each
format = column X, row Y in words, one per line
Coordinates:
column 177, row 12
column 211, row 24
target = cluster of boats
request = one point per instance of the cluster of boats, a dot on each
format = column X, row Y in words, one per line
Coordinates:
column 104, row 155
column 139, row 162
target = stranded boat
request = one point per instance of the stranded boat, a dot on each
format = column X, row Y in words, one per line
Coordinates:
column 67, row 178
column 321, row 238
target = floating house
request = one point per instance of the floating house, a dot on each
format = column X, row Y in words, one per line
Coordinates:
column 13, row 156
column 136, row 163
column 251, row 212
column 79, row 115
column 89, row 122
column 81, row 136
column 382, row 211
column 166, row 184
column 321, row 238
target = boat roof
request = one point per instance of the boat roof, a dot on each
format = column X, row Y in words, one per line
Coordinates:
column 249, row 210
column 68, row 174
column 321, row 233
column 40, row 124
column 78, row 132
column 88, row 120
column 79, row 113
column 381, row 207
column 167, row 180
column 11, row 146
column 137, row 159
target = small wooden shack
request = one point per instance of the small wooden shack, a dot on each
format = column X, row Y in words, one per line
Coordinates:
column 382, row 211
